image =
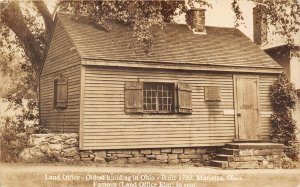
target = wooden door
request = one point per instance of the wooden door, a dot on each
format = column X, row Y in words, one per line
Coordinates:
column 247, row 111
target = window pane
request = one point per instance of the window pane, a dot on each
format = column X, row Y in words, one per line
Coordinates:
column 149, row 97
column 158, row 97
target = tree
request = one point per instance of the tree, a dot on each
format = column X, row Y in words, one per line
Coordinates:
column 138, row 14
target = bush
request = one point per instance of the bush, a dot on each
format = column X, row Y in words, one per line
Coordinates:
column 15, row 132
column 12, row 141
column 284, row 99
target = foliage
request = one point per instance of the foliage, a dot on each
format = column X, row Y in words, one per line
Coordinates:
column 284, row 16
column 21, row 92
column 288, row 163
column 140, row 15
column 284, row 98
column 12, row 140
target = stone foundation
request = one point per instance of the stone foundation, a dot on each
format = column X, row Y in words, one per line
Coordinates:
column 64, row 147
column 51, row 147
column 154, row 156
column 249, row 156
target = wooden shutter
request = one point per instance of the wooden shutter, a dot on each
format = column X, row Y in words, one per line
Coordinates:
column 184, row 98
column 62, row 93
column 133, row 97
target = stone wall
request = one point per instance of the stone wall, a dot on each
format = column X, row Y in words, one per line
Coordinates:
column 51, row 147
column 153, row 156
column 249, row 156
column 64, row 147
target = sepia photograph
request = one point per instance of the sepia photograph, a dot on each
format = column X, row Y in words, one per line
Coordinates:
column 149, row 93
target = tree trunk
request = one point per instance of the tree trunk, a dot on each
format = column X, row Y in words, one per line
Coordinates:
column 13, row 18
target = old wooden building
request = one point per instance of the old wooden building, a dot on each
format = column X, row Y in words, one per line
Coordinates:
column 199, row 86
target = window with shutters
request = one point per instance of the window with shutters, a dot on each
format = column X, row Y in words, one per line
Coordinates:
column 60, row 93
column 158, row 97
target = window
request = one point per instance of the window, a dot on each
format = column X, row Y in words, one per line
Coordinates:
column 60, row 93
column 158, row 97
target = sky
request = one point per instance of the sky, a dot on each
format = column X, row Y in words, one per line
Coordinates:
column 219, row 15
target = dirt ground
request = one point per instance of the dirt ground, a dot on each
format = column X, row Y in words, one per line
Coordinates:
column 92, row 175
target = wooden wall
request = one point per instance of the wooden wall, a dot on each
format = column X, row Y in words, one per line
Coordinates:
column 266, row 109
column 62, row 58
column 106, row 125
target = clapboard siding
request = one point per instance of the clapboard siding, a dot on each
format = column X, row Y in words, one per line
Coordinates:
column 266, row 109
column 62, row 58
column 107, row 126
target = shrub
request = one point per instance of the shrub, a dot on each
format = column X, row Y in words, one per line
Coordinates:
column 13, row 140
column 284, row 99
column 15, row 132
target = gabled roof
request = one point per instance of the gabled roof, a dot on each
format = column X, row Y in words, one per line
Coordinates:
column 174, row 47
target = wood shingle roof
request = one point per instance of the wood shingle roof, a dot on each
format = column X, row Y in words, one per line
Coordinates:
column 175, row 45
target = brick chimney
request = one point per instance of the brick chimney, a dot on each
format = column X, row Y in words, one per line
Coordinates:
column 260, row 25
column 195, row 18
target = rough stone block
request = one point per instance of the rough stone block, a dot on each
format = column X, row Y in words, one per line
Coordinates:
column 243, row 165
column 139, row 155
column 39, row 140
column 76, row 158
column 64, row 136
column 127, row 152
column 189, row 151
column 73, row 135
column 189, row 156
column 120, row 161
column 258, row 158
column 65, row 146
column 55, row 139
column 153, row 162
column 242, row 158
column 100, row 154
column 246, row 152
column 86, row 159
column 137, row 160
column 109, row 159
column 44, row 147
column 174, row 161
column 155, row 151
column 135, row 152
column 200, row 151
column 56, row 146
column 165, row 150
column 145, row 152
column 124, row 156
column 172, row 156
column 185, row 160
column 99, row 159
column 71, row 141
column 70, row 152
column 161, row 157
column 25, row 154
column 177, row 150
column 41, row 135
column 205, row 157
column 85, row 154
column 267, row 152
column 151, row 156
